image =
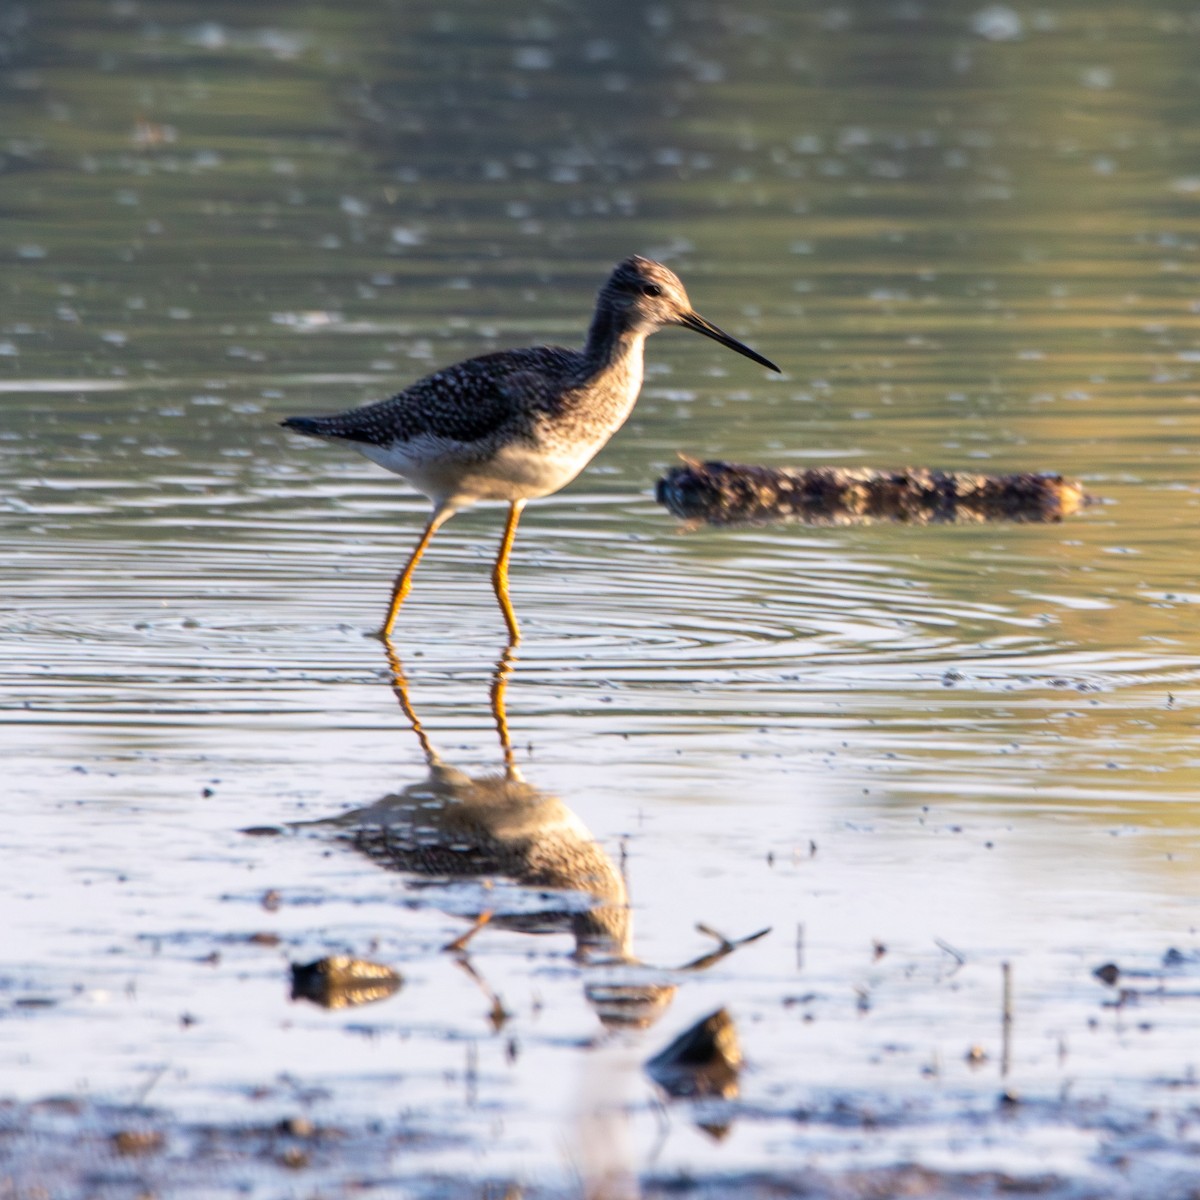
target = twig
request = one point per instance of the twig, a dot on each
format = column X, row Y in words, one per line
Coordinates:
column 959, row 957
column 150, row 1084
column 724, row 947
column 1006, row 1019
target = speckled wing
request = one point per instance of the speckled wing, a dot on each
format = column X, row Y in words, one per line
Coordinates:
column 466, row 403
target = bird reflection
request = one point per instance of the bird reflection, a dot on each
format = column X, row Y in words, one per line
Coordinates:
column 461, row 826
column 454, row 826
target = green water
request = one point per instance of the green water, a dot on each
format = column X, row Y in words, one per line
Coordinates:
column 968, row 236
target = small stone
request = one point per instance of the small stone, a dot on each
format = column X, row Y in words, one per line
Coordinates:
column 300, row 1127
column 343, row 982
column 703, row 1061
column 295, row 1158
column 130, row 1143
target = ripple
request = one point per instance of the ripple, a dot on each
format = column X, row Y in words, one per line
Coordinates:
column 259, row 612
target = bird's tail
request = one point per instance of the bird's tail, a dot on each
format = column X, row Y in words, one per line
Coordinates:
column 319, row 427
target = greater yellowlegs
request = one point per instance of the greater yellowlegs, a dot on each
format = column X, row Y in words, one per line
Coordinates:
column 520, row 423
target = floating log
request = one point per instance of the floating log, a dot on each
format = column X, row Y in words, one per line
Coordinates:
column 722, row 493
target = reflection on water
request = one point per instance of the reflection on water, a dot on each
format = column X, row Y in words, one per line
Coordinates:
column 458, row 826
column 703, row 1062
column 454, row 826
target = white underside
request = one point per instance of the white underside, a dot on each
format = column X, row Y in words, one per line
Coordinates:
column 443, row 469
column 516, row 472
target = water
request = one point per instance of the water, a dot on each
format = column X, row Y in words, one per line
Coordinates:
column 968, row 238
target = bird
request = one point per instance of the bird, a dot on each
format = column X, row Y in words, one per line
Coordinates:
column 519, row 424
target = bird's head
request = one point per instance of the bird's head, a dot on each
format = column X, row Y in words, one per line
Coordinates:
column 648, row 296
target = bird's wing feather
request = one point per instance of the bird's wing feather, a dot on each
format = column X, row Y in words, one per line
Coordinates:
column 466, row 402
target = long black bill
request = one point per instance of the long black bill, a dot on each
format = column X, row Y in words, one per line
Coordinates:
column 700, row 325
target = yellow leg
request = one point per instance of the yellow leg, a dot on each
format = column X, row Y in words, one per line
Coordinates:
column 403, row 584
column 504, row 669
column 500, row 572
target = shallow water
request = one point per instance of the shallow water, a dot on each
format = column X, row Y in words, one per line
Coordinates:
column 966, row 237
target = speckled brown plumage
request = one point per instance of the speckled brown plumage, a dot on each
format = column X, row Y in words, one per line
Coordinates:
column 553, row 399
column 470, row 402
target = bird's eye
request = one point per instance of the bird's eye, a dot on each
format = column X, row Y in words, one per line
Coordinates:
column 651, row 289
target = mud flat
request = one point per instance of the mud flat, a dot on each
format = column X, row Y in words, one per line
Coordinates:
column 76, row 1147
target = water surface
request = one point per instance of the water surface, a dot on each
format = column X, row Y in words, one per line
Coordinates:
column 967, row 237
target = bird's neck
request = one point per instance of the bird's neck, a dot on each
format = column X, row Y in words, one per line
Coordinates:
column 613, row 366
column 613, row 344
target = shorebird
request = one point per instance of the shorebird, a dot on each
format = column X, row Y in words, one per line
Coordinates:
column 518, row 424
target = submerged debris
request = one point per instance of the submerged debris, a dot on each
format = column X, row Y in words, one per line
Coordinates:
column 725, row 946
column 343, row 982
column 702, row 1061
column 1170, row 980
column 132, row 1143
column 730, row 493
